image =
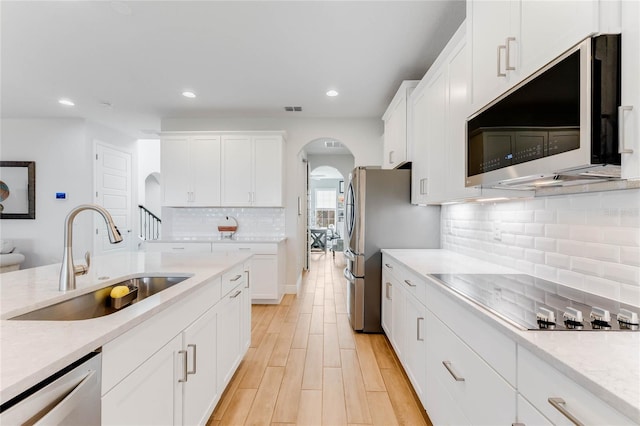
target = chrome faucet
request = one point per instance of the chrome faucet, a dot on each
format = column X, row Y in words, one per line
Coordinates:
column 69, row 271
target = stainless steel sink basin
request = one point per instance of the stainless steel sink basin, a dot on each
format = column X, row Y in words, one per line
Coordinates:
column 99, row 303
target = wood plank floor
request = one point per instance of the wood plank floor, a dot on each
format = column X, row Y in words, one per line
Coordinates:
column 306, row 366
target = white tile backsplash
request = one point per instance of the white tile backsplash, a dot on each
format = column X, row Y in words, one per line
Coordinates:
column 585, row 241
column 194, row 222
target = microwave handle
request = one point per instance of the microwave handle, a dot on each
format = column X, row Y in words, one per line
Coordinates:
column 621, row 145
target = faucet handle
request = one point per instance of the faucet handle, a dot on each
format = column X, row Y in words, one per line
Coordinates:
column 83, row 269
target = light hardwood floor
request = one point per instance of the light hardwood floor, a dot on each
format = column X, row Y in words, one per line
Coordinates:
column 306, row 366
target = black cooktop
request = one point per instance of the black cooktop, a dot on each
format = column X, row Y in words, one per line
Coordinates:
column 537, row 304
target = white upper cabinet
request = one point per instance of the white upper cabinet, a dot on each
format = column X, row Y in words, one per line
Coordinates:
column 395, row 128
column 512, row 39
column 252, row 170
column 629, row 113
column 190, row 166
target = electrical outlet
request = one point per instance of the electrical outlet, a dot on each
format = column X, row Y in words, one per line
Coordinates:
column 497, row 230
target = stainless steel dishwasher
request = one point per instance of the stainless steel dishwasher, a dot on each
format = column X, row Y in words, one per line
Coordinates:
column 69, row 397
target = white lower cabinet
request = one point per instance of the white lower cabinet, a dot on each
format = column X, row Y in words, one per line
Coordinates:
column 386, row 318
column 559, row 398
column 415, row 345
column 150, row 395
column 528, row 415
column 173, row 367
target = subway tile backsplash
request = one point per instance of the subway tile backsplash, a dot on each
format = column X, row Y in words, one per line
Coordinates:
column 194, row 222
column 586, row 241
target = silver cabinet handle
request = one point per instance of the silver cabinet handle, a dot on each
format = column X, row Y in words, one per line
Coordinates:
column 387, row 290
column 177, row 248
column 621, row 145
column 194, row 358
column 185, row 370
column 244, row 248
column 518, row 424
column 423, row 186
column 236, row 278
column 248, row 278
column 508, row 67
column 388, row 266
column 559, row 404
column 390, row 157
column 418, row 338
column 249, row 196
column 447, row 365
column 410, row 283
column 236, row 294
column 500, row 73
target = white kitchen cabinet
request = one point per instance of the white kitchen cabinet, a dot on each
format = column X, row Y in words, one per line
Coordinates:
column 395, row 127
column 512, row 39
column 416, row 345
column 151, row 394
column 190, row 167
column 252, row 170
column 386, row 317
column 245, row 327
column 228, row 336
column 557, row 397
column 199, row 351
column 629, row 113
column 482, row 394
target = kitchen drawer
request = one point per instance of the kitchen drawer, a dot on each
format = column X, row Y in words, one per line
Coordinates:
column 129, row 350
column 232, row 279
column 412, row 282
column 495, row 348
column 539, row 381
column 441, row 407
column 528, row 415
column 482, row 394
column 177, row 247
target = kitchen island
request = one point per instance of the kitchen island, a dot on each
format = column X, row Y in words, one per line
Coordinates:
column 537, row 367
column 30, row 351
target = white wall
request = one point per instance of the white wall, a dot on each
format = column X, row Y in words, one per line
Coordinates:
column 585, row 241
column 360, row 136
column 63, row 150
column 343, row 163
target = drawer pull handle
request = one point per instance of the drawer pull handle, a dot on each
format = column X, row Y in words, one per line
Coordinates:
column 248, row 278
column 236, row 278
column 236, row 294
column 518, row 424
column 421, row 339
column 447, row 365
column 388, row 266
column 244, row 248
column 559, row 404
column 185, row 369
column 388, row 296
column 410, row 283
column 177, row 248
column 500, row 73
column 194, row 358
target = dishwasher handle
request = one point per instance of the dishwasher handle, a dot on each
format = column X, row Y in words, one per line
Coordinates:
column 76, row 397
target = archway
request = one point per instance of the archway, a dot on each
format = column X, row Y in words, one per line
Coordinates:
column 328, row 164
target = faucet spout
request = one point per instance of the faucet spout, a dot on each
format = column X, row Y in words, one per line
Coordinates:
column 68, row 271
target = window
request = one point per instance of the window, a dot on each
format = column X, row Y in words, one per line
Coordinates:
column 325, row 207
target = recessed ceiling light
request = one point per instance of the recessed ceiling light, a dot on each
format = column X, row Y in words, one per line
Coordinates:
column 332, row 93
column 188, row 94
column 66, row 102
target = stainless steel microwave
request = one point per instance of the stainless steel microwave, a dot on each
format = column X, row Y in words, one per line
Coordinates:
column 558, row 127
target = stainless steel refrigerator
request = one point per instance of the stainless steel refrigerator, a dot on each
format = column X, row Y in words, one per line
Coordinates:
column 379, row 214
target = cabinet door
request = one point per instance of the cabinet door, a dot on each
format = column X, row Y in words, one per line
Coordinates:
column 387, row 304
column 630, row 110
column 228, row 336
column 393, row 152
column 415, row 343
column 200, row 390
column 237, row 171
column 175, row 171
column 264, row 274
column 205, row 170
column 151, row 394
column 419, row 135
column 245, row 334
column 490, row 27
column 397, row 318
column 549, row 28
column 268, row 171
column 436, row 104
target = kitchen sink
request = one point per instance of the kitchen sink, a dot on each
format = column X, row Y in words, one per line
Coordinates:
column 99, row 302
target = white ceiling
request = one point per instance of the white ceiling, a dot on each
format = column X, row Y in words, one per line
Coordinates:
column 125, row 64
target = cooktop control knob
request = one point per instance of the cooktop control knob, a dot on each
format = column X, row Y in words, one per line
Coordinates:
column 628, row 319
column 600, row 319
column 546, row 318
column 573, row 318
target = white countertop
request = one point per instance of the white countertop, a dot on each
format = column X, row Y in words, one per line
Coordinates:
column 30, row 351
column 218, row 240
column 605, row 363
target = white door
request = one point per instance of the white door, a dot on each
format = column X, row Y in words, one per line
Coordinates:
column 113, row 192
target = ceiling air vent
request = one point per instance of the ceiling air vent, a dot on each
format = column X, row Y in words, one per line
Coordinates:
column 293, row 108
column 332, row 144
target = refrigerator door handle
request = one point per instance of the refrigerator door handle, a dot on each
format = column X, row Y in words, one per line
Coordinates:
column 349, row 276
column 349, row 254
